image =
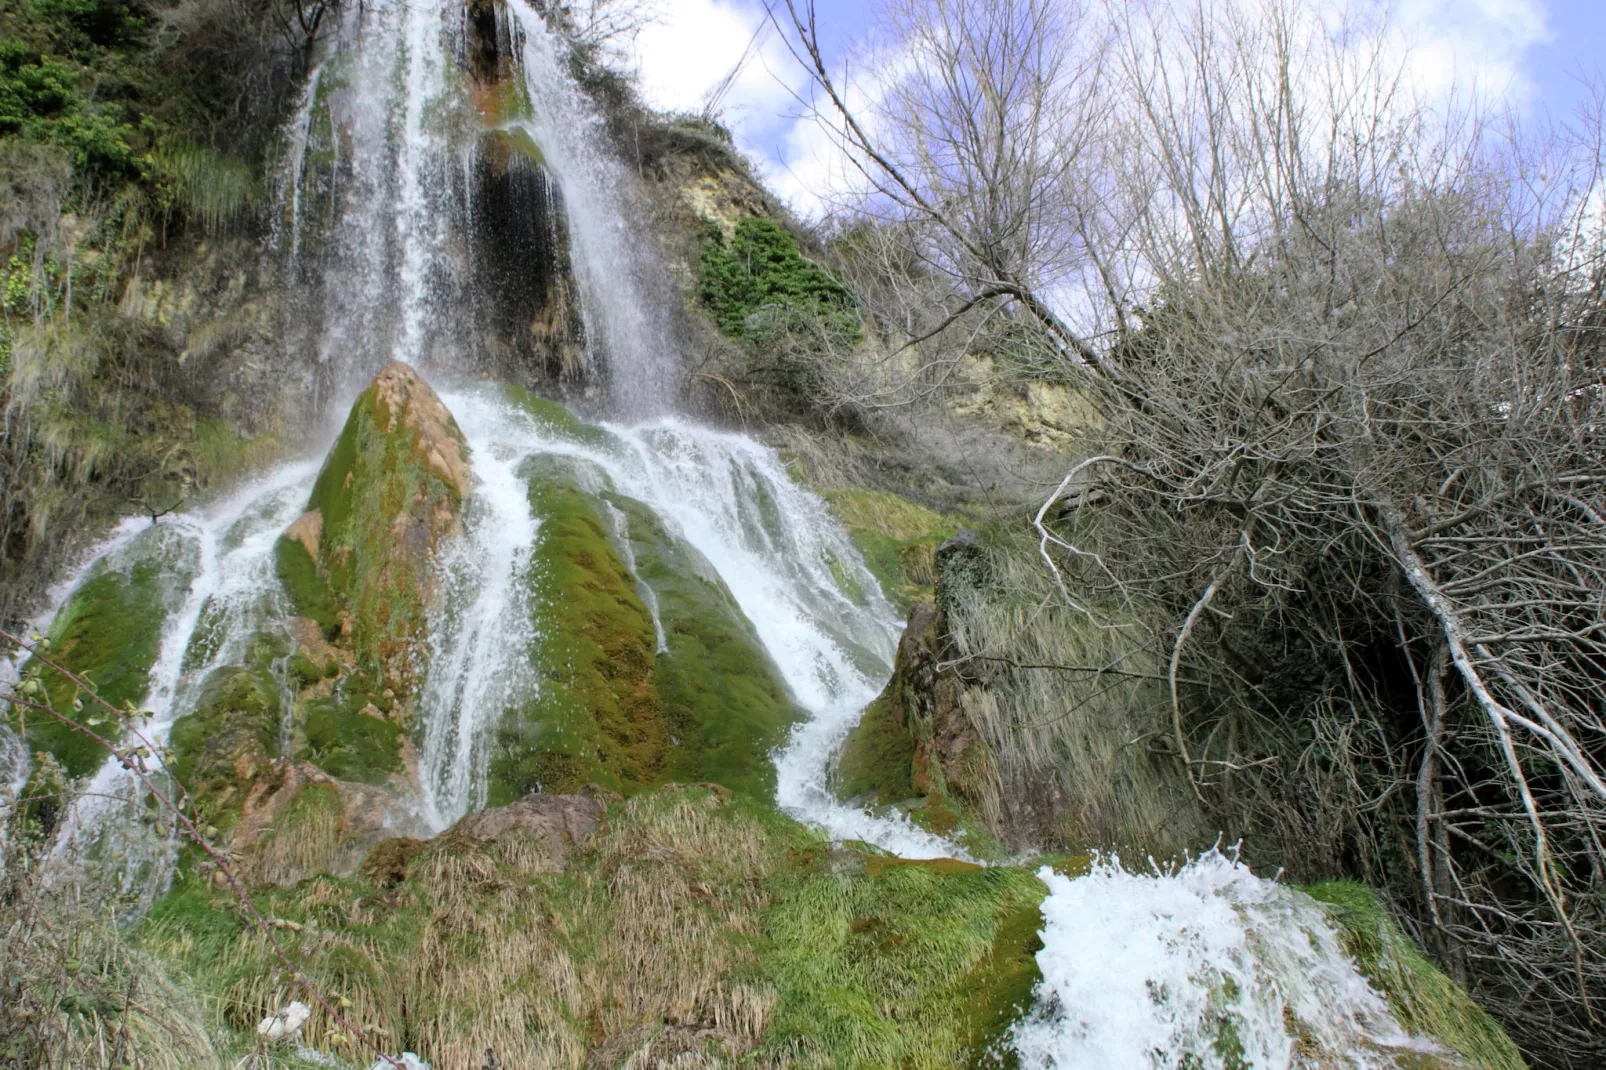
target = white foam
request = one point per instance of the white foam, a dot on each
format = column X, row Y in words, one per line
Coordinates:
column 1162, row 970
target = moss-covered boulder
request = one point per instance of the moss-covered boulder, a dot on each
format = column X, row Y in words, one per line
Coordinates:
column 724, row 700
column 649, row 670
column 390, row 490
column 109, row 634
column 598, row 715
column 229, row 739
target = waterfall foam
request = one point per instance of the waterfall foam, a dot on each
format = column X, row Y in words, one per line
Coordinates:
column 1204, row 966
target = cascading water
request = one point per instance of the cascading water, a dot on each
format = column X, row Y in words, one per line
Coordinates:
column 1202, row 966
column 478, row 665
column 618, row 277
column 220, row 587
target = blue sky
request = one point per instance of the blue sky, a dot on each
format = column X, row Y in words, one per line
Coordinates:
column 1535, row 52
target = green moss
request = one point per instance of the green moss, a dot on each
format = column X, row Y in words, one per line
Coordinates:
column 554, row 418
column 897, row 538
column 109, row 633
column 877, row 758
column 309, row 594
column 303, row 671
column 233, row 731
column 598, row 715
column 908, row 964
column 381, row 505
column 725, row 702
column 1424, row 1000
column 347, row 743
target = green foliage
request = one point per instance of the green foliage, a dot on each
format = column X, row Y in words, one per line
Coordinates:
column 758, row 285
column 1425, row 1001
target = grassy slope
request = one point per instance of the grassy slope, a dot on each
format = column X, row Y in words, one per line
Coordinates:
column 693, row 921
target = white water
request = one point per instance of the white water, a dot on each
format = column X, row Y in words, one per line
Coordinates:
column 480, row 635
column 1142, row 972
column 615, row 271
column 220, row 560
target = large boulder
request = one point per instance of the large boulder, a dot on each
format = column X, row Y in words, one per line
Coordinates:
column 360, row 562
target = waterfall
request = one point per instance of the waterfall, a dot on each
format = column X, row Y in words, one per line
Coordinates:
column 619, row 279
column 1139, row 971
column 219, row 573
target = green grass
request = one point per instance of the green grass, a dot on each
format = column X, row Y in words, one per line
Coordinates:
column 691, row 921
column 897, row 538
column 1423, row 998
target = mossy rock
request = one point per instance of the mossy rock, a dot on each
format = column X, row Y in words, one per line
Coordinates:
column 726, row 704
column 555, row 419
column 877, row 757
column 232, row 734
column 110, row 634
column 348, row 736
column 310, row 594
column 1424, row 1000
column 598, row 715
column 390, row 489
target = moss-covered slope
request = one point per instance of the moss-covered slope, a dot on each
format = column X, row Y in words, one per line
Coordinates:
column 109, row 633
column 689, row 923
column 598, row 715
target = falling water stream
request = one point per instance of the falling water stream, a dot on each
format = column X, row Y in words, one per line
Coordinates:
column 1136, row 968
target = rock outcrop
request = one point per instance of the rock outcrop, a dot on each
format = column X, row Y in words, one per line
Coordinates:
column 390, row 491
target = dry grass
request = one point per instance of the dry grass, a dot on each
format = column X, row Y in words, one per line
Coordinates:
column 1071, row 705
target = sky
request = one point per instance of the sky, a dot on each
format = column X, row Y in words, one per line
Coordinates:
column 1534, row 52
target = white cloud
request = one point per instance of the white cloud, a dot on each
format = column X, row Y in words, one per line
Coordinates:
column 1478, row 44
